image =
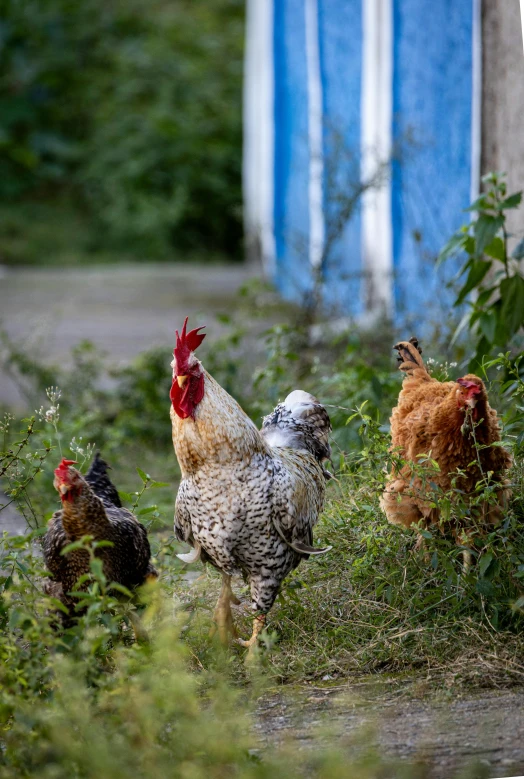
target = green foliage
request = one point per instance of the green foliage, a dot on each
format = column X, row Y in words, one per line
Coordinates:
column 166, row 704
column 494, row 285
column 131, row 110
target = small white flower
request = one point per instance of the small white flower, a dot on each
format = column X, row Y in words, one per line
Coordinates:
column 53, row 393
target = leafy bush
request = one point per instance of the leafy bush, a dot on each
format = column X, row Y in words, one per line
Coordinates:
column 93, row 701
column 494, row 286
column 131, row 109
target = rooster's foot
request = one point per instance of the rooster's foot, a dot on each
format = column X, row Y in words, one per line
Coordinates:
column 222, row 615
column 258, row 626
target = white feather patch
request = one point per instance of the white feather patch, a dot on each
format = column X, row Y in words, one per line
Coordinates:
column 299, row 398
column 192, row 556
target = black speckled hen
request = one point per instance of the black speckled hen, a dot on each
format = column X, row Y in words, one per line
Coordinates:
column 91, row 506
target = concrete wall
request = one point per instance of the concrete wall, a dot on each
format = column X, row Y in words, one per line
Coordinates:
column 503, row 97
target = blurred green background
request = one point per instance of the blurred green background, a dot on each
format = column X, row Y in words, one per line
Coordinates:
column 120, row 130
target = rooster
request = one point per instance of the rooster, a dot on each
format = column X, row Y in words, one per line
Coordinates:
column 452, row 423
column 91, row 507
column 248, row 499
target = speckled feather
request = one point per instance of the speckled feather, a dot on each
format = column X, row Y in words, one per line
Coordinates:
column 428, row 419
column 241, row 500
column 96, row 512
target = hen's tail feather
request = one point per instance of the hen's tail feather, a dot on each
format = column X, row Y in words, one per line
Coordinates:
column 409, row 356
column 100, row 482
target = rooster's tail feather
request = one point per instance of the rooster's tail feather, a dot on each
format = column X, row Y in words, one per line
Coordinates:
column 192, row 556
column 300, row 422
column 409, row 356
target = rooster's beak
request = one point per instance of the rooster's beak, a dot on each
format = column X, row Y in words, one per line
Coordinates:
column 471, row 402
column 63, row 489
column 181, row 380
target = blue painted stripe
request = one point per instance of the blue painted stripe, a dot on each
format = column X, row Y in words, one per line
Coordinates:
column 432, row 83
column 291, row 207
column 340, row 32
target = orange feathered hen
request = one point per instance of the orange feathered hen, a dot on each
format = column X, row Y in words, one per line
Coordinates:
column 453, row 424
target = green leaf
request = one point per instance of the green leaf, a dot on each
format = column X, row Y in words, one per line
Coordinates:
column 488, row 325
column 477, row 271
column 460, row 327
column 484, row 296
column 480, row 204
column 484, row 587
column 513, row 201
column 485, row 229
column 512, row 309
column 143, row 475
column 80, row 544
column 120, row 588
column 518, row 251
column 469, row 245
column 453, row 246
column 96, row 566
column 485, row 562
column 495, row 249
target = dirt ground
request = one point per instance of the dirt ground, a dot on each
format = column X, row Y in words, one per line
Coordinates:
column 448, row 732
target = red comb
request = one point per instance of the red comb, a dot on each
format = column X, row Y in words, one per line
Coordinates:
column 468, row 384
column 191, row 340
column 62, row 469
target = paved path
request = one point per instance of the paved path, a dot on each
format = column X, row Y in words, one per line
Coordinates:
column 124, row 309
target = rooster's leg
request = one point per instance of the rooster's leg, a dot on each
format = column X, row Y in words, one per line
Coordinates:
column 258, row 625
column 222, row 615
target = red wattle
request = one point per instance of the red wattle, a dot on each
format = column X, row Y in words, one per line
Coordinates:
column 185, row 399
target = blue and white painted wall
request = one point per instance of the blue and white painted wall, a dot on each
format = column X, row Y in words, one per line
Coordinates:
column 340, row 93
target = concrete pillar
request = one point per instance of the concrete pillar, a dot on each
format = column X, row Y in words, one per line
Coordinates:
column 503, row 97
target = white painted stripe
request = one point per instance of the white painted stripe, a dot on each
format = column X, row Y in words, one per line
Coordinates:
column 315, row 135
column 476, row 99
column 376, row 146
column 259, row 132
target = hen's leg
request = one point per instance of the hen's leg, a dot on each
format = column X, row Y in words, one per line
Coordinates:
column 222, row 616
column 464, row 540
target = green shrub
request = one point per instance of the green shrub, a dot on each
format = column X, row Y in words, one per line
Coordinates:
column 494, row 286
column 131, row 111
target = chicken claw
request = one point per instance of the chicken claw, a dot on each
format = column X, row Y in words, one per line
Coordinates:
column 258, row 626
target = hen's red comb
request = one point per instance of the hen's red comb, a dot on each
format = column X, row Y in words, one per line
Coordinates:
column 468, row 384
column 191, row 340
column 62, row 470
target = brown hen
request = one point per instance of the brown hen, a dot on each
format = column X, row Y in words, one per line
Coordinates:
column 452, row 424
